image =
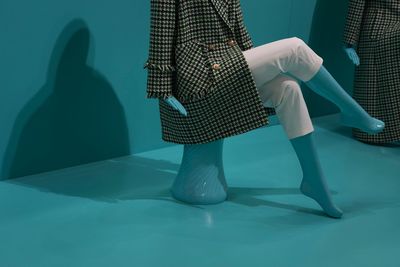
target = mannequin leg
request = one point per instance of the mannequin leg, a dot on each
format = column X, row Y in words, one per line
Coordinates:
column 313, row 183
column 294, row 57
column 284, row 94
column 353, row 115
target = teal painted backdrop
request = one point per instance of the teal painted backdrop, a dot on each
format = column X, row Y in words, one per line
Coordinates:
column 73, row 86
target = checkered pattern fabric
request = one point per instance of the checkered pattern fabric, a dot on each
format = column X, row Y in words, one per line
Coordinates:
column 373, row 27
column 195, row 55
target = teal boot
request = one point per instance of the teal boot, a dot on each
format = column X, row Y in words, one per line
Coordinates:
column 313, row 184
column 352, row 114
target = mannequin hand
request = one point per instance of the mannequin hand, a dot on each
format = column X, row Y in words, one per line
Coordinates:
column 352, row 54
column 173, row 102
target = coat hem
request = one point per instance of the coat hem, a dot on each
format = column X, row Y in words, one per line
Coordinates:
column 264, row 122
column 157, row 94
column 374, row 139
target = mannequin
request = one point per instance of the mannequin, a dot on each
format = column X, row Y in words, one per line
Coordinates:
column 291, row 57
column 371, row 38
column 351, row 53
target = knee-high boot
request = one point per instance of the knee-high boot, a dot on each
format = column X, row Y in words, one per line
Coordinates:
column 352, row 114
column 313, row 184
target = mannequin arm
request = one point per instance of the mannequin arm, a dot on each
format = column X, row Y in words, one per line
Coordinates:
column 242, row 36
column 351, row 53
column 353, row 21
column 173, row 102
column 160, row 63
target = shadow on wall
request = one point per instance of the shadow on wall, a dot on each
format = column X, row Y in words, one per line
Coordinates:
column 74, row 118
column 326, row 40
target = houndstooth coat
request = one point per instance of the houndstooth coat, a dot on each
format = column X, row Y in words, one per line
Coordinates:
column 195, row 55
column 373, row 26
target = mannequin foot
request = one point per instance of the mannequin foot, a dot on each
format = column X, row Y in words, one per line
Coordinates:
column 316, row 191
column 313, row 184
column 366, row 123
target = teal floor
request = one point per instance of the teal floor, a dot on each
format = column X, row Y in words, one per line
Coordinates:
column 119, row 212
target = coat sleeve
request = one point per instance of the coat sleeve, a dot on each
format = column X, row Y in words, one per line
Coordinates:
column 353, row 22
column 160, row 63
column 241, row 34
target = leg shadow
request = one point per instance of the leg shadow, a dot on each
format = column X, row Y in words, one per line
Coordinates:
column 248, row 197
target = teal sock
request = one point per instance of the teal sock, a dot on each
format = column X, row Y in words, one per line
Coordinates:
column 353, row 115
column 313, row 184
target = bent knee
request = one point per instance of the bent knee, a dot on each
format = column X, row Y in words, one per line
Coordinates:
column 292, row 88
column 299, row 47
column 289, row 91
column 297, row 42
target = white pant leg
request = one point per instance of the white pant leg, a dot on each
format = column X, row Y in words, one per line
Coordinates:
column 268, row 63
column 291, row 55
column 284, row 94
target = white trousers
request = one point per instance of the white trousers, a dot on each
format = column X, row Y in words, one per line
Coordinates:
column 275, row 67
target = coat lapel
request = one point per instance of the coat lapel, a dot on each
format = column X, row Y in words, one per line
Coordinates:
column 221, row 6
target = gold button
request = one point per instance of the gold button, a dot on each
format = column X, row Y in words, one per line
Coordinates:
column 231, row 42
column 216, row 66
column 211, row 46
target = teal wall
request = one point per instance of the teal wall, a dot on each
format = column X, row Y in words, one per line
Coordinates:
column 73, row 86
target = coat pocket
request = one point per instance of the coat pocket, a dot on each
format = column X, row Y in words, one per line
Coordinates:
column 379, row 24
column 194, row 74
column 392, row 29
